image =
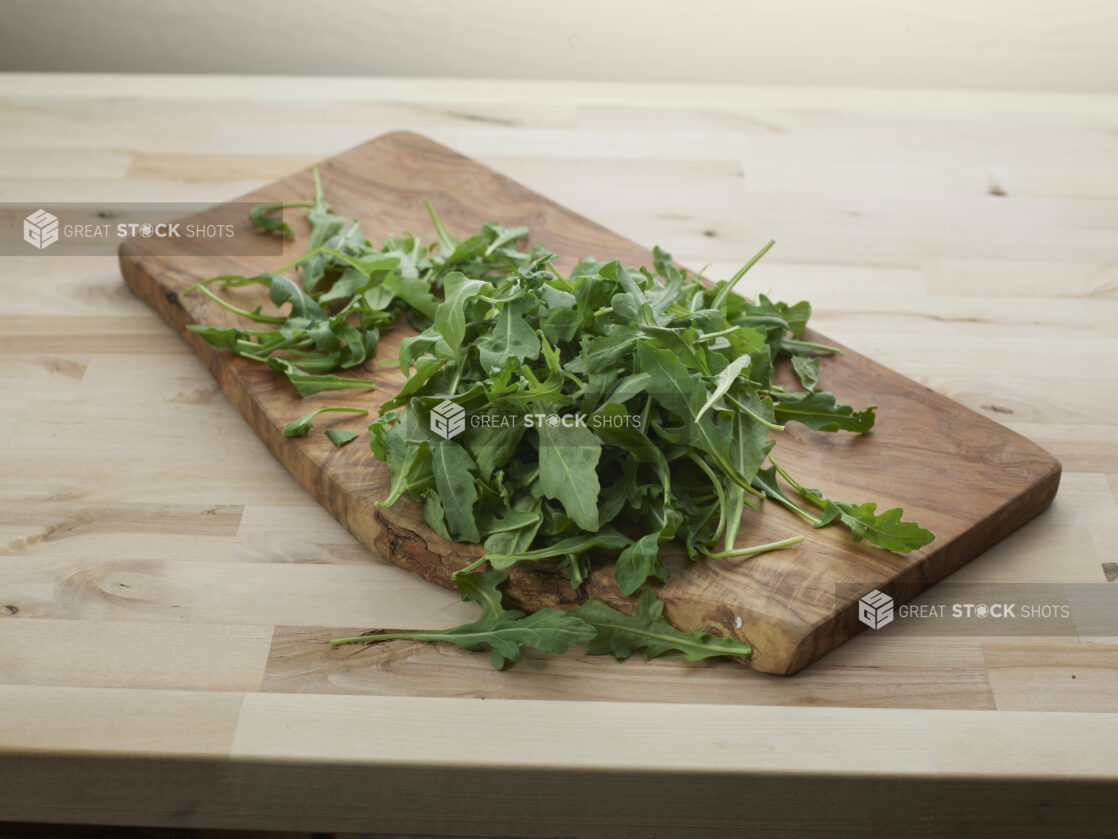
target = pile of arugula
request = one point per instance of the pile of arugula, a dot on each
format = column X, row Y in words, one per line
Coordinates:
column 601, row 413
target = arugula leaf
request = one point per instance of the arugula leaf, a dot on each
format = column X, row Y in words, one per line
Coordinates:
column 683, row 396
column 765, row 481
column 262, row 218
column 426, row 369
column 622, row 635
column 885, row 530
column 308, row 384
column 447, row 243
column 503, row 631
column 560, row 325
column 450, row 316
column 511, row 338
column 409, row 462
column 285, row 290
column 819, row 410
column 222, row 337
column 724, row 382
column 414, row 292
column 568, row 471
column 340, row 437
column 807, row 370
column 606, row 538
column 491, row 448
column 454, row 470
column 638, row 562
column 300, row 427
column 748, row 448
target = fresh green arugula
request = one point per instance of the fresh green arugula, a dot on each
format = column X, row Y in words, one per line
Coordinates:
column 302, row 426
column 611, row 410
column 504, row 631
column 622, row 635
column 339, row 437
column 605, row 630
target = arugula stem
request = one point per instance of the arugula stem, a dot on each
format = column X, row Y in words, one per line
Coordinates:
column 457, row 377
column 807, row 345
column 254, row 316
column 757, row 549
column 273, row 347
column 724, row 292
column 717, row 484
column 796, row 485
column 224, row 279
column 481, row 560
column 706, row 336
column 795, row 508
column 341, row 410
column 733, row 523
column 312, row 363
column 299, row 260
column 390, row 636
column 769, row 425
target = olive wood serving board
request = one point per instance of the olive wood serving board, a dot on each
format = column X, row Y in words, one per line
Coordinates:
column 963, row 476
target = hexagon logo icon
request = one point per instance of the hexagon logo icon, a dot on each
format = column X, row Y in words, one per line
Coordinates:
column 40, row 229
column 875, row 609
column 447, row 419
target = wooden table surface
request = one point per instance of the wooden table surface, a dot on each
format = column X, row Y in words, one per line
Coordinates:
column 164, row 583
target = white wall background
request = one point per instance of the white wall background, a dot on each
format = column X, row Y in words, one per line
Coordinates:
column 1059, row 45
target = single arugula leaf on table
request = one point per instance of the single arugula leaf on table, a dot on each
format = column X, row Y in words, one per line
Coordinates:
column 622, row 635
column 504, row 631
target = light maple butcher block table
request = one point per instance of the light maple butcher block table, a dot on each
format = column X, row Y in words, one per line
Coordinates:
column 167, row 589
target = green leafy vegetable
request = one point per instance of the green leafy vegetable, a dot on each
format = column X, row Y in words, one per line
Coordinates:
column 807, row 370
column 503, row 631
column 638, row 562
column 568, row 457
column 308, row 384
column 622, row 635
column 886, row 530
column 301, row 426
column 610, row 410
column 820, row 411
column 339, row 437
column 263, row 219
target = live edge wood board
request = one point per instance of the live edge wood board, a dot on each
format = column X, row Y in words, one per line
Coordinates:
column 968, row 479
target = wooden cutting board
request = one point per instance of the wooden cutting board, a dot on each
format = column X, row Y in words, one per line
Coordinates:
column 966, row 478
